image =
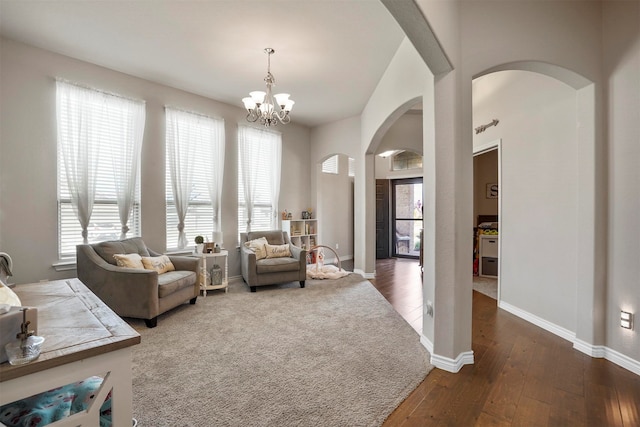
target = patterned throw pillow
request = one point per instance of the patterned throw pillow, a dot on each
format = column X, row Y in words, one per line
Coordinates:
column 129, row 260
column 277, row 251
column 161, row 264
column 258, row 247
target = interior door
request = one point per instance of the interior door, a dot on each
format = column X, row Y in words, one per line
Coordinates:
column 382, row 218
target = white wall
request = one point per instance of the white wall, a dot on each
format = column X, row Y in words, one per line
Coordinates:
column 335, row 210
column 28, row 209
column 404, row 134
column 336, row 224
column 622, row 69
column 538, row 223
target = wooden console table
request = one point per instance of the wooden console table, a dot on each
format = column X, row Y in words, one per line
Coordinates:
column 83, row 337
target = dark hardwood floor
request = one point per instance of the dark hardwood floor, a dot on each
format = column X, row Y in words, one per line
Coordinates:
column 522, row 376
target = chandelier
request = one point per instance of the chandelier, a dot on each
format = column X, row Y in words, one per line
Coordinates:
column 262, row 106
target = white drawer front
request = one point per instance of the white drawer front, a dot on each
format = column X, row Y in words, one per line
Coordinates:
column 489, row 246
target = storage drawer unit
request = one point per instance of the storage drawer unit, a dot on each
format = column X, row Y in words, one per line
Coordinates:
column 489, row 266
column 488, row 255
column 489, row 246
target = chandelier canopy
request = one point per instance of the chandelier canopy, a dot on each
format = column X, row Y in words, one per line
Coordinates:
column 261, row 106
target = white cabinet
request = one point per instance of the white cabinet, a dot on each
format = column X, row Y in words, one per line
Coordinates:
column 488, row 255
column 302, row 232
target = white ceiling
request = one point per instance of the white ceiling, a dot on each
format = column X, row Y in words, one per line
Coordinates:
column 329, row 56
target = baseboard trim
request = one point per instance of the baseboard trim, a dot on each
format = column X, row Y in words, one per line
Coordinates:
column 452, row 365
column 446, row 363
column 235, row 279
column 613, row 356
column 596, row 351
column 365, row 275
column 334, row 260
column 538, row 321
column 426, row 343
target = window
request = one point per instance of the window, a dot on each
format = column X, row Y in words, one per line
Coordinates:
column 352, row 167
column 259, row 159
column 99, row 143
column 331, row 165
column 194, row 171
column 407, row 160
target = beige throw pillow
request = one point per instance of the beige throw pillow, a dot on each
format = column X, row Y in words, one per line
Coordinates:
column 128, row 260
column 277, row 251
column 258, row 247
column 161, row 264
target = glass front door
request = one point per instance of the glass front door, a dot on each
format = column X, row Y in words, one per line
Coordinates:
column 407, row 217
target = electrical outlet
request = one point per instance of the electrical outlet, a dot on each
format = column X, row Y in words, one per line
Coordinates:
column 337, row 246
column 429, row 308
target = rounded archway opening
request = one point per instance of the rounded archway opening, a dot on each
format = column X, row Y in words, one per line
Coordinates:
column 548, row 190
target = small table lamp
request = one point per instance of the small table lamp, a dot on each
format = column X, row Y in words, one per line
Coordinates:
column 217, row 238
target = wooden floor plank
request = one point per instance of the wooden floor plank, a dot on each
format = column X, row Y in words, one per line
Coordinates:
column 532, row 413
column 559, row 385
column 569, row 409
column 502, row 401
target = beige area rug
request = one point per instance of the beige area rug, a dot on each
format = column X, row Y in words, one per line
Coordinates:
column 486, row 285
column 332, row 354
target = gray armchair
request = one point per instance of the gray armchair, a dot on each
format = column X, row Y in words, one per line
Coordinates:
column 270, row 271
column 133, row 292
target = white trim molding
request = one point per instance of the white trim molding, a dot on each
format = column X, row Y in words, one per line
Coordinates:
column 596, row 351
column 64, row 265
column 365, row 275
column 538, row 321
column 613, row 356
column 426, row 343
column 452, row 365
column 446, row 363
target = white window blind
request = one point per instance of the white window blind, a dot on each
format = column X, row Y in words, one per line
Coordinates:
column 195, row 152
column 259, row 164
column 99, row 140
column 352, row 167
column 331, row 165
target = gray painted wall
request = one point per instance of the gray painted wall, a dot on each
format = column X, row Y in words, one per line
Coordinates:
column 28, row 209
column 335, row 210
column 538, row 223
column 621, row 53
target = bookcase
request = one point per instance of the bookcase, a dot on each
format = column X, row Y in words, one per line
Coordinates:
column 302, row 232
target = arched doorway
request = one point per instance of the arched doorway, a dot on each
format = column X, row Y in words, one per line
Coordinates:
column 548, row 138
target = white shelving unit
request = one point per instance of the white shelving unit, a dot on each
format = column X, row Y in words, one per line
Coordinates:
column 488, row 255
column 302, row 232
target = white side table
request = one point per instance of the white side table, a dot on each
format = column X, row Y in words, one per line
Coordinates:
column 204, row 287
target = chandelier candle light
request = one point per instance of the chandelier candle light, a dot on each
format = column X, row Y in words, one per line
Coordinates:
column 261, row 105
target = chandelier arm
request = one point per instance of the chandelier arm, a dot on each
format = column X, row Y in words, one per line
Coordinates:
column 268, row 111
column 252, row 116
column 283, row 116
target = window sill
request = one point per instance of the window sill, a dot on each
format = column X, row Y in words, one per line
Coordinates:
column 64, row 265
column 180, row 252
